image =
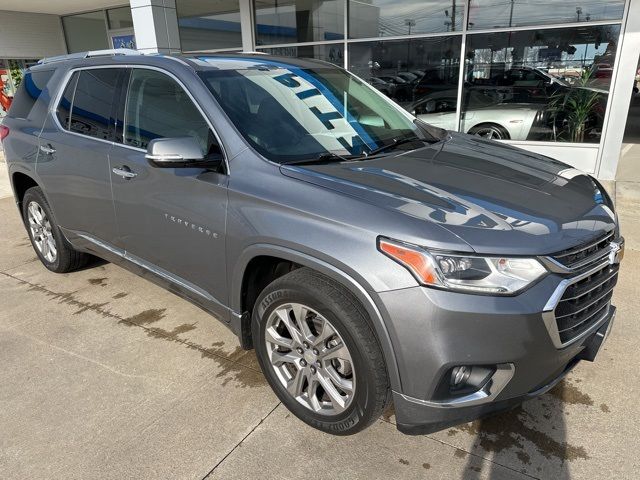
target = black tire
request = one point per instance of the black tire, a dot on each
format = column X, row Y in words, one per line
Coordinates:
column 66, row 259
column 500, row 133
column 350, row 320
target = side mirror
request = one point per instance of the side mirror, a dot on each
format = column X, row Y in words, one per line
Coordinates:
column 181, row 152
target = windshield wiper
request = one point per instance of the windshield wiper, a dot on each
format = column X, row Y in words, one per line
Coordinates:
column 325, row 157
column 394, row 143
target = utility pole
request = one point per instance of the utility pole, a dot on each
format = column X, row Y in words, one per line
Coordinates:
column 511, row 14
column 453, row 15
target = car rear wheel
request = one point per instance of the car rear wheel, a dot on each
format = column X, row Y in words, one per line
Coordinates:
column 318, row 351
column 52, row 248
column 490, row 131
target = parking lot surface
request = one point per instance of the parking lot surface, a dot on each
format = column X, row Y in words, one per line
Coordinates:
column 105, row 375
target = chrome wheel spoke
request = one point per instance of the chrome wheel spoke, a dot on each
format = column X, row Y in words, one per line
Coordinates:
column 280, row 358
column 338, row 401
column 274, row 337
column 45, row 248
column 336, row 352
column 300, row 314
column 294, row 386
column 342, row 383
column 312, row 394
column 325, row 334
column 296, row 335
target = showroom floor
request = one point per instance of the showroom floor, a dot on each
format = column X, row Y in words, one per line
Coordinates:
column 105, row 375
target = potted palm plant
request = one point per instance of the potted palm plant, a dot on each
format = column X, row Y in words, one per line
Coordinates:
column 574, row 109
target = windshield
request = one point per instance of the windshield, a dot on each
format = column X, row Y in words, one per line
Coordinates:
column 290, row 113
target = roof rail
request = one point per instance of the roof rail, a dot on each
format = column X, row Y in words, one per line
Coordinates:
column 89, row 54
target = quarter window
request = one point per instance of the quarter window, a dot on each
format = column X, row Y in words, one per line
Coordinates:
column 92, row 103
column 157, row 107
column 31, row 88
column 64, row 107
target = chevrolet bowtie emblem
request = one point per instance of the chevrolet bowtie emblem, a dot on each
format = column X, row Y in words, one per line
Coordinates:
column 616, row 253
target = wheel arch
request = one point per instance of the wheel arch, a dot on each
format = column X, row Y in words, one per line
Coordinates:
column 242, row 275
column 21, row 182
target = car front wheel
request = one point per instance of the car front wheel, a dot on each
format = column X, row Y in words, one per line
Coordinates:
column 318, row 351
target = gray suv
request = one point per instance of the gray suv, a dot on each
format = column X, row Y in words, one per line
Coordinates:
column 368, row 257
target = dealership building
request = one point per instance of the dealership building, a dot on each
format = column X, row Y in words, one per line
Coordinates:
column 550, row 76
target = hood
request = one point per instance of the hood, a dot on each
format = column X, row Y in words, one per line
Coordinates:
column 497, row 198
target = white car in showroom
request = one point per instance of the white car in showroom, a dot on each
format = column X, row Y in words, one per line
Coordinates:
column 482, row 115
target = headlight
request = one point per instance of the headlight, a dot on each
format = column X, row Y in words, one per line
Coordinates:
column 470, row 273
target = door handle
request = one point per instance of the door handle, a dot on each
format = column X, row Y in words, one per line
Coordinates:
column 124, row 172
column 47, row 149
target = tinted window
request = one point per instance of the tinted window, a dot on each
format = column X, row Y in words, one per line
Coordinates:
column 157, row 107
column 32, row 86
column 92, row 103
column 64, row 107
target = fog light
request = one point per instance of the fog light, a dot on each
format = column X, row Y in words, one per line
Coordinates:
column 468, row 379
column 459, row 376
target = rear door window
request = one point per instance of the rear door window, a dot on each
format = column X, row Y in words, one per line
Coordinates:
column 91, row 113
column 30, row 90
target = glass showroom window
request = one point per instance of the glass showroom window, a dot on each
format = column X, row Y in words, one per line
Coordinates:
column 209, row 25
column 297, row 21
column 333, row 53
column 388, row 18
column 413, row 72
column 513, row 13
column 86, row 31
column 120, row 18
column 550, row 85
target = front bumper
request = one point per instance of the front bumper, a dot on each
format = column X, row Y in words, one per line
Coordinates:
column 509, row 332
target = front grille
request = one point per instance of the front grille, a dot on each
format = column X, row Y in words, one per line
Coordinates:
column 586, row 254
column 585, row 302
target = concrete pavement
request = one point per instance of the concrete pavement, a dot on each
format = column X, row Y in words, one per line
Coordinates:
column 105, row 375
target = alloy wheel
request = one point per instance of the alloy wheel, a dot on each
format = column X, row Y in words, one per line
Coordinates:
column 40, row 228
column 310, row 359
column 491, row 133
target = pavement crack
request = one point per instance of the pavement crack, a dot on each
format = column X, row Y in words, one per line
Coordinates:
column 240, row 442
column 82, row 357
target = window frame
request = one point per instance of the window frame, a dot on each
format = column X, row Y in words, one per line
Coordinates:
column 118, row 97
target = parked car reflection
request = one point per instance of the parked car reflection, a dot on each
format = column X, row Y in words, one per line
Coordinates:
column 484, row 116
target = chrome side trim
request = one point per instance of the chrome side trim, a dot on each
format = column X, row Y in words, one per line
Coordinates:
column 503, row 375
column 151, row 268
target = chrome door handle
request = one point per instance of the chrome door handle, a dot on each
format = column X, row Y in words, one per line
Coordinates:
column 47, row 149
column 124, row 172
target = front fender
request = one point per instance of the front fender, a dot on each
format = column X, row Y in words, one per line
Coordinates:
column 357, row 288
